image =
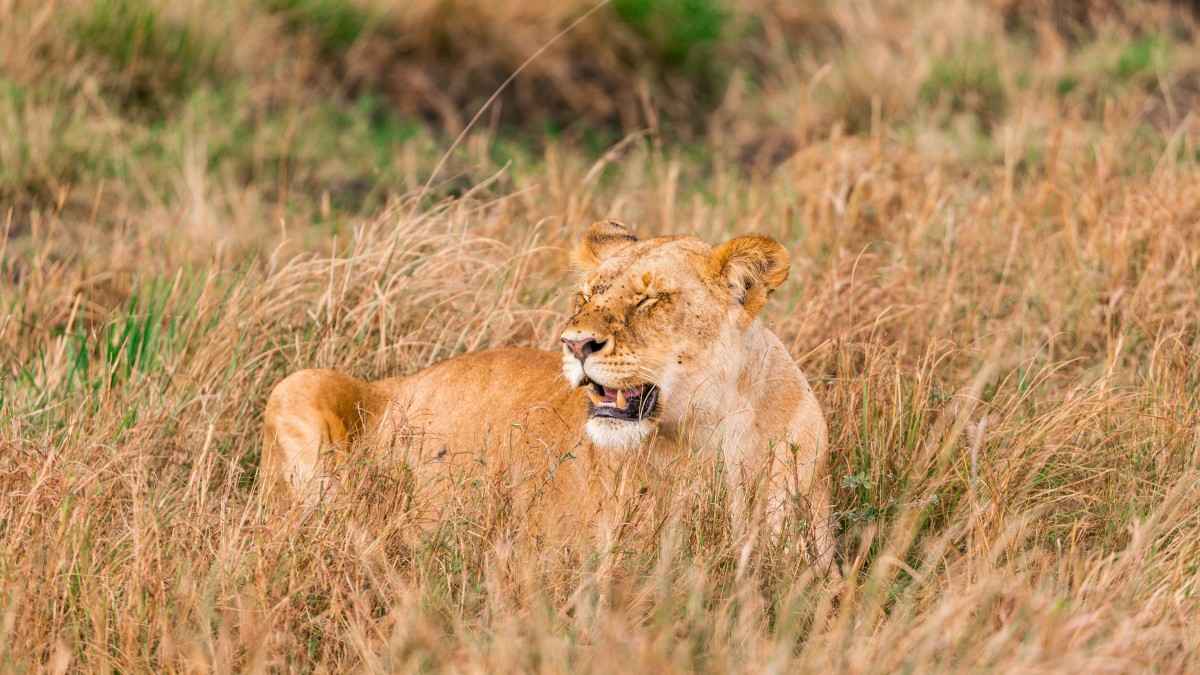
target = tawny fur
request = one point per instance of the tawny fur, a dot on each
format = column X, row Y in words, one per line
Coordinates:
column 672, row 311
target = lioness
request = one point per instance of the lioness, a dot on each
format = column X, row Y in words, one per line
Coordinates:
column 663, row 358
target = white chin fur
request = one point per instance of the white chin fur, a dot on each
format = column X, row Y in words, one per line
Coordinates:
column 618, row 434
column 573, row 371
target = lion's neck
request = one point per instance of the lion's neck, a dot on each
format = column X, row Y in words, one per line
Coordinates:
column 724, row 408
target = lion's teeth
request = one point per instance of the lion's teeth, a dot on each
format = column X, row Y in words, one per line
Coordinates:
column 621, row 399
column 597, row 399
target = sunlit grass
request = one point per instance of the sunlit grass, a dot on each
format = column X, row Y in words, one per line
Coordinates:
column 994, row 294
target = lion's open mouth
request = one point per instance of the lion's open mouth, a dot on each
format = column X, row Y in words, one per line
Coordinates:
column 631, row 403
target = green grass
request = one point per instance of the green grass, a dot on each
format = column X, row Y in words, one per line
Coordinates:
column 129, row 344
column 336, row 24
column 1141, row 57
column 46, row 145
column 968, row 81
column 154, row 60
column 680, row 31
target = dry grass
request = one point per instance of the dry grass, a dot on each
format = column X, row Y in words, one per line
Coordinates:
column 997, row 304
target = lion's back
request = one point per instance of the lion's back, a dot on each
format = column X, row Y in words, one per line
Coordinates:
column 487, row 401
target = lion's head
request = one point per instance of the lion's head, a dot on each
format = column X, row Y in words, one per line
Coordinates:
column 657, row 323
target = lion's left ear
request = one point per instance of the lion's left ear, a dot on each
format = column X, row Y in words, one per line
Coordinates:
column 603, row 239
column 751, row 266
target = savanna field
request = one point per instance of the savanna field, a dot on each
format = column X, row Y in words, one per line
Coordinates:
column 993, row 212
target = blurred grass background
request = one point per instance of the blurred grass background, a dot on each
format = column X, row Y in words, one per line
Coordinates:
column 343, row 103
column 992, row 207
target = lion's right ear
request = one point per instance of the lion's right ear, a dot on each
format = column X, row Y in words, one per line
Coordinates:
column 603, row 238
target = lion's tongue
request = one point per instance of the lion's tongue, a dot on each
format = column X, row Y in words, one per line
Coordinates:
column 619, row 396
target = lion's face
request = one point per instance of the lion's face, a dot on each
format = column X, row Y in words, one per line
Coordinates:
column 652, row 320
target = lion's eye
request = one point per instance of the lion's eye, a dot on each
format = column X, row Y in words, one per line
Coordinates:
column 646, row 301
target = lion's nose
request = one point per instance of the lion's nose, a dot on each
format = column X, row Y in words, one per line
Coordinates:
column 582, row 345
